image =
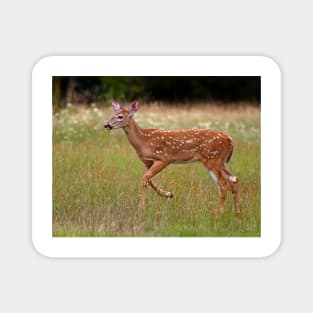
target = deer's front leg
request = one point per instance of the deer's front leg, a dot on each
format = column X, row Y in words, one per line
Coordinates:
column 156, row 167
column 158, row 189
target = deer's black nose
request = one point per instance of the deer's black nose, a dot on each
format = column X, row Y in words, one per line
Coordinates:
column 107, row 126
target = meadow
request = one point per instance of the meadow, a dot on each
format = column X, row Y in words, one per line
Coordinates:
column 97, row 175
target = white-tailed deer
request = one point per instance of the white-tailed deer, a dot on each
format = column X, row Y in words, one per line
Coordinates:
column 159, row 148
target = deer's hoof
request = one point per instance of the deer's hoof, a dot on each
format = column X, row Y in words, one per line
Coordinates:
column 169, row 195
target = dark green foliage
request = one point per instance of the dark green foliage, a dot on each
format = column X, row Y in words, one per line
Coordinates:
column 89, row 89
column 202, row 88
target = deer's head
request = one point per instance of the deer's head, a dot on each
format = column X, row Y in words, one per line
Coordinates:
column 121, row 115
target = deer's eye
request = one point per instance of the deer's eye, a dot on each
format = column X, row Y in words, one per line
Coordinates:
column 120, row 117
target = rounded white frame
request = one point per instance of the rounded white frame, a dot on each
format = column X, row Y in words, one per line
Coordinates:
column 48, row 245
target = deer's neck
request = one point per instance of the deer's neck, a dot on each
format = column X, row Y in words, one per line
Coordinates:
column 135, row 134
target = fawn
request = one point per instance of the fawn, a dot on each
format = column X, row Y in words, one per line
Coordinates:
column 159, row 148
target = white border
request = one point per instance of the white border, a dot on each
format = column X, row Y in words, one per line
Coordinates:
column 154, row 66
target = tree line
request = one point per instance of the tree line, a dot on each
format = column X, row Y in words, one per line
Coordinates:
column 171, row 89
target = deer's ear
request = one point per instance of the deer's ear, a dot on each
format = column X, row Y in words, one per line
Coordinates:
column 116, row 106
column 133, row 108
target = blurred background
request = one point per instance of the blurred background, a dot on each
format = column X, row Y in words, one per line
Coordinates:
column 99, row 90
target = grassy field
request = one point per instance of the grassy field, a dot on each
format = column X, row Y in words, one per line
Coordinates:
column 97, row 176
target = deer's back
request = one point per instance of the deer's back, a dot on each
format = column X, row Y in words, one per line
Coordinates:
column 179, row 146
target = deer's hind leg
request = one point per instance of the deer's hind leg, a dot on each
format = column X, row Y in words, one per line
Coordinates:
column 223, row 184
column 233, row 183
column 222, row 188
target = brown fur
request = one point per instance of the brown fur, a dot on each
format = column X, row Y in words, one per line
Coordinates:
column 159, row 148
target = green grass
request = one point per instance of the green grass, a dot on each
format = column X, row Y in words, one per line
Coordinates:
column 97, row 176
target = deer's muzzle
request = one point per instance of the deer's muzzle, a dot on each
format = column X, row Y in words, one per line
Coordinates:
column 108, row 126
